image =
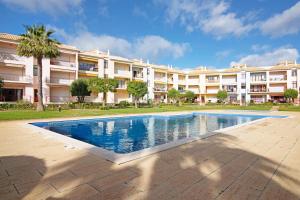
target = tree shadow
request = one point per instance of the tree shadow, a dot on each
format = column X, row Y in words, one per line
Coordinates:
column 212, row 168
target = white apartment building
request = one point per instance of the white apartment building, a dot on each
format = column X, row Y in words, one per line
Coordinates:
column 243, row 83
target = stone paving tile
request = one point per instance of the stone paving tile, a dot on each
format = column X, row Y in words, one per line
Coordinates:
column 81, row 192
column 259, row 161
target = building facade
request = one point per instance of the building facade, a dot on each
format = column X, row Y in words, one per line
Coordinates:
column 244, row 84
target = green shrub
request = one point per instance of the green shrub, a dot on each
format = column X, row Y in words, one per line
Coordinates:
column 20, row 105
column 124, row 104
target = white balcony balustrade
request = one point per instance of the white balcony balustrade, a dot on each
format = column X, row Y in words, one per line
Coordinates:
column 195, row 90
column 160, row 89
column 8, row 57
column 16, row 78
column 212, row 91
column 60, row 99
column 120, row 72
column 277, row 89
column 278, row 78
column 55, row 80
column 62, row 63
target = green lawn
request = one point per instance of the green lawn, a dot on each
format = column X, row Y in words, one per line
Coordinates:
column 31, row 114
column 289, row 108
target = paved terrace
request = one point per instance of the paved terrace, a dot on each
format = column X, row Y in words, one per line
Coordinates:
column 259, row 161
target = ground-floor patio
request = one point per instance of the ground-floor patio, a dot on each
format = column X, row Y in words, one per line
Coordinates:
column 258, row 161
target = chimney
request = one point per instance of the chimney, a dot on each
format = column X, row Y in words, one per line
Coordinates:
column 147, row 61
column 286, row 63
column 108, row 52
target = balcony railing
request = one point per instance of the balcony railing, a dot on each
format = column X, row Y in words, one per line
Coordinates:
column 213, row 81
column 212, row 91
column 138, row 75
column 88, row 67
column 158, row 89
column 54, row 80
column 16, row 78
column 62, row 63
column 162, row 79
column 122, row 73
column 61, row 99
column 10, row 57
column 258, row 79
column 278, row 78
column 258, row 90
column 122, row 86
column 276, row 89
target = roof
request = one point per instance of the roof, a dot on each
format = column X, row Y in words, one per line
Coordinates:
column 16, row 38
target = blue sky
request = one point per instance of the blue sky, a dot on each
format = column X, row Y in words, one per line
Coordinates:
column 182, row 33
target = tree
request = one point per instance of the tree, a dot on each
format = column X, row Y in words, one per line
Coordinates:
column 137, row 90
column 37, row 42
column 102, row 85
column 291, row 94
column 79, row 88
column 174, row 95
column 189, row 96
column 1, row 86
column 222, row 95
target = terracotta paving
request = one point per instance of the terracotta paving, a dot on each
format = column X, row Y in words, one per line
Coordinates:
column 258, row 161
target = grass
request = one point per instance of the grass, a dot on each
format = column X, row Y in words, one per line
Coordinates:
column 31, row 114
column 289, row 108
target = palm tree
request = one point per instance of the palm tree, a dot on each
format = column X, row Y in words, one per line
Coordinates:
column 36, row 42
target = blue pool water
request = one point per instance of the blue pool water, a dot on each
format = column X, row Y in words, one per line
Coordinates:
column 129, row 134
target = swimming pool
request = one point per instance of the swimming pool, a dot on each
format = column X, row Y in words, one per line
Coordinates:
column 124, row 135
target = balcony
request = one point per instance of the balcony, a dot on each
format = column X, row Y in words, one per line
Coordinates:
column 258, row 90
column 137, row 73
column 62, row 63
column 160, row 79
column 11, row 58
column 227, row 81
column 193, row 81
column 16, row 78
column 278, row 79
column 88, row 67
column 122, row 73
column 59, row 81
column 212, row 80
column 138, row 76
column 212, row 91
column 181, row 82
column 60, row 99
column 195, row 90
column 160, row 89
column 277, row 89
column 122, row 85
column 170, row 80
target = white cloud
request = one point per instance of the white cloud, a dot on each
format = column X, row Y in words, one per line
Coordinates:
column 146, row 47
column 269, row 58
column 260, row 48
column 211, row 17
column 53, row 7
column 139, row 12
column 223, row 54
column 285, row 23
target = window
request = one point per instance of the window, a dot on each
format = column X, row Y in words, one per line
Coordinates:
column 105, row 64
column 11, row 94
column 35, row 70
column 294, row 72
column 243, row 86
column 294, row 84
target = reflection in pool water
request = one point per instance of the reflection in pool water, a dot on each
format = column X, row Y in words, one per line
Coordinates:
column 129, row 134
